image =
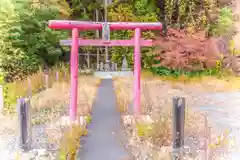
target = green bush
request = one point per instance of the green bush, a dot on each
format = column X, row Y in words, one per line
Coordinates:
column 25, row 39
column 176, row 73
column 164, row 71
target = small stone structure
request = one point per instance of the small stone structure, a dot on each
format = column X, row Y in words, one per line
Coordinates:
column 113, row 67
column 101, row 66
column 109, row 70
column 124, row 64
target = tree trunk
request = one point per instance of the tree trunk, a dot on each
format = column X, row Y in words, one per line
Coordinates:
column 161, row 6
column 175, row 16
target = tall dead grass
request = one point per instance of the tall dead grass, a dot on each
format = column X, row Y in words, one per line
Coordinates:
column 59, row 96
column 155, row 126
column 33, row 84
column 50, row 109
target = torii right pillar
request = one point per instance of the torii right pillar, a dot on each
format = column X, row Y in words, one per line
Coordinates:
column 137, row 72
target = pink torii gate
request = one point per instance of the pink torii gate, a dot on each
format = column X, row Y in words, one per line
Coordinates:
column 75, row 42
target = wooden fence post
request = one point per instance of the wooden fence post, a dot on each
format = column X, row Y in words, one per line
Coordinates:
column 1, row 100
column 46, row 81
column 65, row 75
column 29, row 87
column 57, row 77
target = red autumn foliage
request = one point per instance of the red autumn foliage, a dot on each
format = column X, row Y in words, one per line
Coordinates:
column 191, row 52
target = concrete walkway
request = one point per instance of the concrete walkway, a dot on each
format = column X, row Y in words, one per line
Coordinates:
column 102, row 143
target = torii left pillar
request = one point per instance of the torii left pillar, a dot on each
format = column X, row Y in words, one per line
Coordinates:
column 74, row 75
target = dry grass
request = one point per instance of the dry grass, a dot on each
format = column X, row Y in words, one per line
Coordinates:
column 53, row 101
column 156, row 131
column 71, row 142
column 50, row 122
column 31, row 85
column 50, row 108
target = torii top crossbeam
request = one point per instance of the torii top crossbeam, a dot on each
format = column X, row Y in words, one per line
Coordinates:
column 83, row 25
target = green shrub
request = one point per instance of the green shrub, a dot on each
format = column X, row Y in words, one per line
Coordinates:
column 26, row 40
column 164, row 71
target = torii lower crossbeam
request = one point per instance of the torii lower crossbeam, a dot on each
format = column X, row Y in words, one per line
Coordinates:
column 99, row 42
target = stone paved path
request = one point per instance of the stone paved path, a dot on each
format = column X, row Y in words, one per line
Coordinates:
column 102, row 142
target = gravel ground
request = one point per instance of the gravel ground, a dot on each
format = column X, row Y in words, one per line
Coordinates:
column 8, row 138
column 42, row 148
column 226, row 116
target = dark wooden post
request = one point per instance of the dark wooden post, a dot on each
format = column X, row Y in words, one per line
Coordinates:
column 178, row 126
column 24, row 123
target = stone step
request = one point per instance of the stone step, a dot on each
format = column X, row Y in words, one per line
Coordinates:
column 111, row 74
